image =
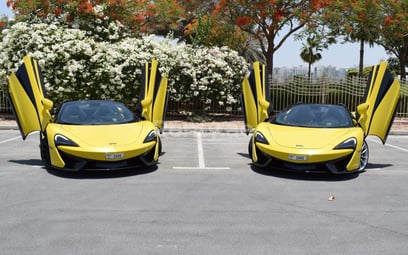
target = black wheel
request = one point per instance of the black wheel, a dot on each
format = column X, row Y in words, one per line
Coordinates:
column 262, row 159
column 364, row 157
column 159, row 142
column 149, row 157
column 44, row 150
column 250, row 147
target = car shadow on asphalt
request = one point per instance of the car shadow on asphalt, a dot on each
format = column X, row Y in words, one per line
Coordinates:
column 302, row 175
column 310, row 176
column 377, row 166
column 100, row 174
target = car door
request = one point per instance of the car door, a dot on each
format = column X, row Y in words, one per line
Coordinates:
column 28, row 98
column 153, row 94
column 255, row 97
column 380, row 102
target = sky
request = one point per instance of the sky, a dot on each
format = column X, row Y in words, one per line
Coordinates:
column 337, row 55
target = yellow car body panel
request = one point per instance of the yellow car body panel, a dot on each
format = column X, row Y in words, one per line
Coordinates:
column 248, row 100
column 255, row 97
column 96, row 142
column 338, row 149
column 380, row 102
column 27, row 95
column 154, row 95
column 302, row 145
column 104, row 146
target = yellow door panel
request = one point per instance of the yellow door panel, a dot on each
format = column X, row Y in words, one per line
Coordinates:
column 27, row 95
column 24, row 110
column 255, row 97
column 160, row 104
column 380, row 102
column 249, row 106
column 154, row 95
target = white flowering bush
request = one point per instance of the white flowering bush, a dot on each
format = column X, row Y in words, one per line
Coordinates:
column 77, row 65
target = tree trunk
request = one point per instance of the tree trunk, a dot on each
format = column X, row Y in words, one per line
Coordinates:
column 269, row 63
column 361, row 64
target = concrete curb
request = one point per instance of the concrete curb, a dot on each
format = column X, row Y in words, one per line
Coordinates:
column 7, row 127
column 398, row 132
column 206, row 130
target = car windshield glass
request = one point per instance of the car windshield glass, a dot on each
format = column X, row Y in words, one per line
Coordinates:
column 315, row 116
column 94, row 113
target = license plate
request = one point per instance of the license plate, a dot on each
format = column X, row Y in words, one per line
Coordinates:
column 114, row 155
column 298, row 157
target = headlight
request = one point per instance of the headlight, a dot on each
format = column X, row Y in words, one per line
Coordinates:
column 62, row 140
column 347, row 144
column 260, row 138
column 150, row 137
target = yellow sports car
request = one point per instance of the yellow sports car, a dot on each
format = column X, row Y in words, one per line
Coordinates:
column 317, row 137
column 90, row 134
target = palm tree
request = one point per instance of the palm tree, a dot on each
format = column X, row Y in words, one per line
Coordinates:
column 311, row 52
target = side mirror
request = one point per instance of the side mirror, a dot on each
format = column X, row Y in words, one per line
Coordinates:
column 362, row 108
column 48, row 104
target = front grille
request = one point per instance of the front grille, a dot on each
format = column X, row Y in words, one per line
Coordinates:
column 77, row 163
column 335, row 166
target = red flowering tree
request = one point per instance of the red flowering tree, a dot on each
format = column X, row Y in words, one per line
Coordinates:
column 393, row 26
column 271, row 22
column 355, row 21
column 383, row 22
column 131, row 13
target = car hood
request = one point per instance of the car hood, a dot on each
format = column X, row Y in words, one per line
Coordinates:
column 107, row 135
column 308, row 138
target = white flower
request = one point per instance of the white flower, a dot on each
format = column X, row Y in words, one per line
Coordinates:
column 77, row 64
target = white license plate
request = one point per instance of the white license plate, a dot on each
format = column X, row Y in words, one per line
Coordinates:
column 114, row 155
column 298, row 157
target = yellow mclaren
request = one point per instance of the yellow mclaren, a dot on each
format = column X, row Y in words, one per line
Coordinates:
column 317, row 137
column 90, row 134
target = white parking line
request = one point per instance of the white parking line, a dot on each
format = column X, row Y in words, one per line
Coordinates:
column 390, row 145
column 201, row 160
column 396, row 147
column 9, row 140
column 200, row 168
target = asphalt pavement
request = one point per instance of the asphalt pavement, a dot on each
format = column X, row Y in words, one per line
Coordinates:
column 203, row 198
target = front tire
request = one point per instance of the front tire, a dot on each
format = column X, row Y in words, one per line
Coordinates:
column 364, row 157
column 45, row 150
column 262, row 159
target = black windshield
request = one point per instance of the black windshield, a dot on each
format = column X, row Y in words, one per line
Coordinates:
column 315, row 115
column 94, row 112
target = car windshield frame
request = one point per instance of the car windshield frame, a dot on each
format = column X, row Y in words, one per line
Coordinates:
column 315, row 116
column 94, row 112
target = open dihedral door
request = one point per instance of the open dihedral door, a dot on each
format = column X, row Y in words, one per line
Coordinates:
column 153, row 94
column 380, row 102
column 28, row 98
column 255, row 97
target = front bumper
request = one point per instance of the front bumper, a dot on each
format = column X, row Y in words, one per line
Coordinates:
column 333, row 165
column 74, row 163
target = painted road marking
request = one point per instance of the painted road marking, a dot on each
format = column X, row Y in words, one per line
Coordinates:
column 201, row 159
column 200, row 150
column 389, row 145
column 9, row 140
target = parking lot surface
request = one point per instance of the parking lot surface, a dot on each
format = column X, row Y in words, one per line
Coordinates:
column 203, row 198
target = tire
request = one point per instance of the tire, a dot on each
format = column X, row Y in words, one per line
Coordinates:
column 149, row 157
column 250, row 147
column 364, row 157
column 160, row 145
column 261, row 157
column 45, row 150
